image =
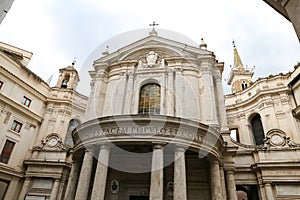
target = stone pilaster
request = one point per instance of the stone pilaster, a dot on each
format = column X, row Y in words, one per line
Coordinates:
column 25, row 189
column 55, row 189
column 73, row 179
column 215, row 180
column 128, row 109
column 170, row 98
column 98, row 191
column 269, row 191
column 157, row 181
column 84, row 177
column 231, row 189
column 262, row 193
column 179, row 175
column 208, row 108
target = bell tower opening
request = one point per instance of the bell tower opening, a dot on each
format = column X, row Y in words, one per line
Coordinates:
column 68, row 78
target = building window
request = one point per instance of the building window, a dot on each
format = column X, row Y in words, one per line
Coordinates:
column 1, row 84
column 149, row 99
column 257, row 129
column 16, row 126
column 234, row 134
column 6, row 151
column 26, row 101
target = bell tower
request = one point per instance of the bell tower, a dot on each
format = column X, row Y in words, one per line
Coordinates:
column 240, row 77
column 68, row 77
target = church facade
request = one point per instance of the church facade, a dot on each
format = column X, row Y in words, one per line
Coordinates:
column 156, row 125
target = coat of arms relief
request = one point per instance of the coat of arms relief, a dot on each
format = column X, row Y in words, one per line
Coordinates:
column 151, row 60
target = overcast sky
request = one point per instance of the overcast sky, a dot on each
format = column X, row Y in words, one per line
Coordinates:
column 56, row 31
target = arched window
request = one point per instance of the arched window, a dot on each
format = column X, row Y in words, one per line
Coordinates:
column 72, row 125
column 244, row 85
column 149, row 99
column 257, row 129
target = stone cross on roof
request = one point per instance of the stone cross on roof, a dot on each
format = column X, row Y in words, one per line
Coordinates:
column 153, row 32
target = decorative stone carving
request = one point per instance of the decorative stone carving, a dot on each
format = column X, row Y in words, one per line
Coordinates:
column 170, row 189
column 53, row 142
column 151, row 60
column 277, row 138
column 114, row 186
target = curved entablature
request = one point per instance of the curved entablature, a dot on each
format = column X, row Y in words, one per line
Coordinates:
column 148, row 129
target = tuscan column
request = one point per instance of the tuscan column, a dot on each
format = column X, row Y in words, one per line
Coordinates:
column 157, row 181
column 24, row 189
column 55, row 189
column 223, row 185
column 269, row 191
column 73, row 178
column 101, row 173
column 179, row 174
column 215, row 180
column 231, row 189
column 84, row 177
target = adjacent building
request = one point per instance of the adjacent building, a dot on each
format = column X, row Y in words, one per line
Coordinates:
column 290, row 9
column 32, row 113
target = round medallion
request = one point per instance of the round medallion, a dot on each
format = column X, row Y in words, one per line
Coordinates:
column 52, row 142
column 277, row 139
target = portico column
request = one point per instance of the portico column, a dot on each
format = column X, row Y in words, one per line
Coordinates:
column 215, row 180
column 231, row 189
column 101, row 173
column 73, row 178
column 179, row 174
column 269, row 191
column 25, row 188
column 157, row 181
column 55, row 189
column 84, row 177
column 223, row 184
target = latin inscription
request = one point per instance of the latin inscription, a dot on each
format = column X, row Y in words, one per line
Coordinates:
column 141, row 131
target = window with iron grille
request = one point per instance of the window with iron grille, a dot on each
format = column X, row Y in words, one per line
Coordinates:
column 257, row 130
column 149, row 99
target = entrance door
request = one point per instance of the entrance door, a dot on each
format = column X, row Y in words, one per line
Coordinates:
column 138, row 197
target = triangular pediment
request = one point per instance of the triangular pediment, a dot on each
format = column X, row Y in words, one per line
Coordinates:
column 163, row 46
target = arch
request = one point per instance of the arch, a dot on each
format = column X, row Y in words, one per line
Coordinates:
column 257, row 129
column 149, row 99
column 72, row 125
